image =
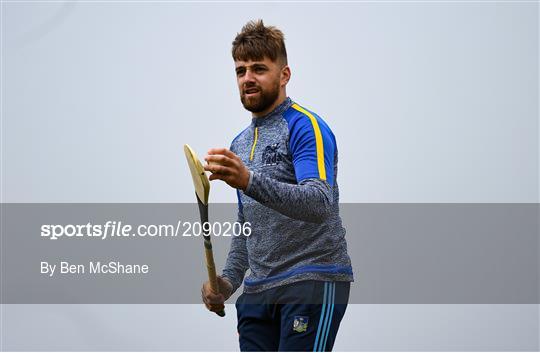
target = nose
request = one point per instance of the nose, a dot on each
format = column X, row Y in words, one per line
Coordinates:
column 248, row 76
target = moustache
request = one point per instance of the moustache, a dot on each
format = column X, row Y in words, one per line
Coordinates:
column 249, row 88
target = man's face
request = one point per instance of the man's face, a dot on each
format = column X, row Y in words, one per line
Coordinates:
column 259, row 83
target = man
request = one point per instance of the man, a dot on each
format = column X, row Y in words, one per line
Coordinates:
column 284, row 169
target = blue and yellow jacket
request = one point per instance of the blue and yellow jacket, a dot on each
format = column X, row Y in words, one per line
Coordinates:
column 291, row 202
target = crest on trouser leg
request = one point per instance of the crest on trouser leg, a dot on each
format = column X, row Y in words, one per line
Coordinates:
column 300, row 323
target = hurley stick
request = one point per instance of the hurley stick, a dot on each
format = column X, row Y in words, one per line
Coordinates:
column 202, row 190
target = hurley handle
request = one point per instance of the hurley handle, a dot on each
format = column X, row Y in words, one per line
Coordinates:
column 209, row 254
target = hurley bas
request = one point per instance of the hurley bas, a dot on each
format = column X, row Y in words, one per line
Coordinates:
column 94, row 267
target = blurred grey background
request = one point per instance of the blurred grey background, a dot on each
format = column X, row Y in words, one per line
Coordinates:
column 432, row 102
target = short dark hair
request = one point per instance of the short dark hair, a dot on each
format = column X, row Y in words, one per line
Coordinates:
column 255, row 42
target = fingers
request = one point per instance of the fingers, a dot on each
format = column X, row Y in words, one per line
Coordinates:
column 219, row 169
column 225, row 287
column 229, row 179
column 222, row 151
column 224, row 162
column 214, row 307
column 219, row 159
column 213, row 302
column 217, row 176
column 228, row 167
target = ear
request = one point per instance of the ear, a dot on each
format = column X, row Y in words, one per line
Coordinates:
column 285, row 75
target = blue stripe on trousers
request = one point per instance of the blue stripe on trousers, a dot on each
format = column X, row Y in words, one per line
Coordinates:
column 332, row 300
column 322, row 318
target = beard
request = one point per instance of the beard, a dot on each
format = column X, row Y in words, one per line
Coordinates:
column 262, row 101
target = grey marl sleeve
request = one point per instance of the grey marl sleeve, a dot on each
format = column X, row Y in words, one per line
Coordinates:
column 237, row 260
column 310, row 200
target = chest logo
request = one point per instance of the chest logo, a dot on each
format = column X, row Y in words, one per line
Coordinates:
column 271, row 155
column 300, row 323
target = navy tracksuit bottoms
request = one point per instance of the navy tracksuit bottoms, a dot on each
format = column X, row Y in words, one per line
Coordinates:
column 302, row 316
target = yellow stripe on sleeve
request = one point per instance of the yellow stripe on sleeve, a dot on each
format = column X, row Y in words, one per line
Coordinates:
column 318, row 140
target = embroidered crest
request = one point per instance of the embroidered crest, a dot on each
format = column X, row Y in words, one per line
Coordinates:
column 300, row 323
column 271, row 155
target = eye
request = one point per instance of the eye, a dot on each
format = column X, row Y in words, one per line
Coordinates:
column 240, row 72
column 259, row 69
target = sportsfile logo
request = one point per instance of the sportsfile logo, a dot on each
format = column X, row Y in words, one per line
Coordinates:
column 117, row 229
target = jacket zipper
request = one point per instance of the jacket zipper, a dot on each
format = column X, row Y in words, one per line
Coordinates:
column 256, row 134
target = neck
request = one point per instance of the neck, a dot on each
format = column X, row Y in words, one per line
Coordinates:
column 282, row 96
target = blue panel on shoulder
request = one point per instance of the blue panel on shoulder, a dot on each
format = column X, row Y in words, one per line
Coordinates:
column 303, row 131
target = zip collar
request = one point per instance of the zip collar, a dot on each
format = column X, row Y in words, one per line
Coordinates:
column 276, row 113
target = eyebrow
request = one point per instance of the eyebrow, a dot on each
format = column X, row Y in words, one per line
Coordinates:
column 256, row 65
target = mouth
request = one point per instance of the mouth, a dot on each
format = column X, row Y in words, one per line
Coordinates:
column 251, row 92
